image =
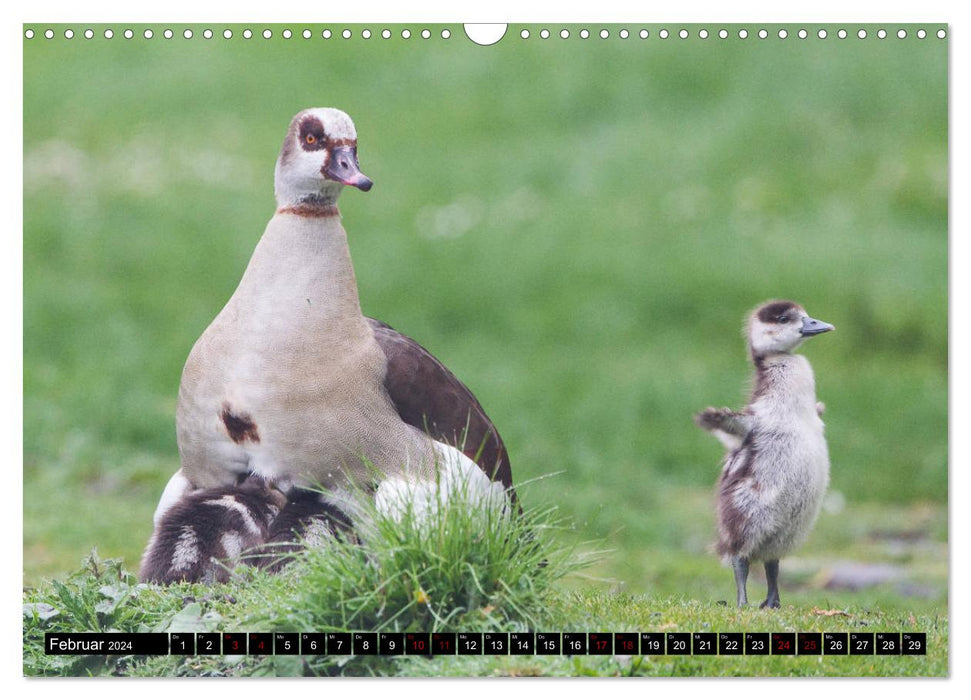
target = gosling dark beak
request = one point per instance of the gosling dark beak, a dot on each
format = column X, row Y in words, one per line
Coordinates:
column 342, row 167
column 812, row 326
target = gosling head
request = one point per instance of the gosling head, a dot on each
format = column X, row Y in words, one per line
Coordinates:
column 778, row 327
column 318, row 158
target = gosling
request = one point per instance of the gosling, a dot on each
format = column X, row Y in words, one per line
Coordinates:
column 207, row 533
column 777, row 467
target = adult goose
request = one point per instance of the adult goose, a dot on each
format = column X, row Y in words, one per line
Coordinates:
column 293, row 385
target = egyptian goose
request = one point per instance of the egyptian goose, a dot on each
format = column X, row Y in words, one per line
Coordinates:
column 207, row 533
column 291, row 383
column 777, row 467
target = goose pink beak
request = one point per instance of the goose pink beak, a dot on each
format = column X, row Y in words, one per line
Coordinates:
column 342, row 167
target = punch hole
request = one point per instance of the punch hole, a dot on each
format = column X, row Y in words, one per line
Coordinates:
column 643, row 34
column 841, row 33
column 446, row 33
column 347, row 33
column 524, row 34
column 88, row 34
column 584, row 34
column 743, row 34
column 425, row 34
column 663, row 33
column 109, row 34
column 723, row 34
column 187, row 33
column 487, row 34
column 803, row 34
column 902, row 34
column 624, row 33
column 366, row 34
column 405, row 33
column 881, row 34
column 129, row 33
column 287, row 34
column 267, row 34
column 783, row 34
column 763, row 34
column 68, row 33
column 247, row 34
column 703, row 34
column 921, row 34
column 148, row 33
column 821, row 33
column 386, row 34
column 683, row 34
column 861, row 33
column 941, row 34
column 168, row 34
column 544, row 34
column 306, row 33
column 49, row 34
column 604, row 33
column 326, row 34
column 207, row 34
column 29, row 34
column 228, row 34
column 564, row 33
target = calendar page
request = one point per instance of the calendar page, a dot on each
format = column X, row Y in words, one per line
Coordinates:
column 605, row 349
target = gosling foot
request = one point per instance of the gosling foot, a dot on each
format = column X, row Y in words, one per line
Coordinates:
column 772, row 578
column 740, row 566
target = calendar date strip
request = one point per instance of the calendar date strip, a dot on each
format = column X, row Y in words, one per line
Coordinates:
column 490, row 643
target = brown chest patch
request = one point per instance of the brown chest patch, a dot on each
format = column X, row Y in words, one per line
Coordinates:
column 240, row 426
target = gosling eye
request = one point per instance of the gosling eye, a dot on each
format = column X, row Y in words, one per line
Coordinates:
column 784, row 319
column 311, row 139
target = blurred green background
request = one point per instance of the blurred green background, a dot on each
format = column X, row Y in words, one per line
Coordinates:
column 577, row 228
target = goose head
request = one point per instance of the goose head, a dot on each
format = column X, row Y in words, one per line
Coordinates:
column 318, row 158
column 779, row 327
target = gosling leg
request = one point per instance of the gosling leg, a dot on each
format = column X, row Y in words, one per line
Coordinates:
column 772, row 577
column 740, row 565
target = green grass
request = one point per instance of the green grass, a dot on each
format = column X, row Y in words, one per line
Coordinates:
column 467, row 563
column 576, row 229
column 417, row 571
column 456, row 569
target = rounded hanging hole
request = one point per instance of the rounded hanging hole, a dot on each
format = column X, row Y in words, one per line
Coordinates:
column 485, row 34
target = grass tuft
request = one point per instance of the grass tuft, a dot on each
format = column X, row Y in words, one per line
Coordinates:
column 460, row 563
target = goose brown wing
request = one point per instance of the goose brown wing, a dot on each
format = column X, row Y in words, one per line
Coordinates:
column 429, row 397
